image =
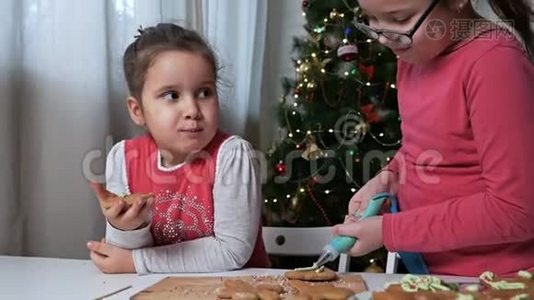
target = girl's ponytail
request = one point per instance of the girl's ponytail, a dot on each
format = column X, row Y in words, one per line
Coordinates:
column 520, row 13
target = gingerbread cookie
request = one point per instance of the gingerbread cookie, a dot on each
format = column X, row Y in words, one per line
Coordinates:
column 244, row 296
column 238, row 285
column 129, row 199
column 223, row 292
column 490, row 287
column 108, row 199
column 239, row 289
column 322, row 274
column 297, row 297
column 267, row 295
column 520, row 286
column 321, row 291
column 270, row 287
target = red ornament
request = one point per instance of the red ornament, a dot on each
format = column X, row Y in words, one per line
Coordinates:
column 305, row 4
column 367, row 70
column 370, row 113
column 281, row 168
column 347, row 52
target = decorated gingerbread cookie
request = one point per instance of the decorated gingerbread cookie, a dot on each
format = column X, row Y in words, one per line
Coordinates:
column 320, row 274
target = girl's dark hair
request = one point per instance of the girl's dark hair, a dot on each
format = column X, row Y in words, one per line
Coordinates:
column 520, row 13
column 152, row 41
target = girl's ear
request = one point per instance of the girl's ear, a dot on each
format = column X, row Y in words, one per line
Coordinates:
column 136, row 111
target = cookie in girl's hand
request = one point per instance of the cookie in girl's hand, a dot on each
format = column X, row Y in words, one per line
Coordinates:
column 129, row 199
column 108, row 199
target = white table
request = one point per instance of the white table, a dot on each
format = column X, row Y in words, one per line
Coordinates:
column 53, row 278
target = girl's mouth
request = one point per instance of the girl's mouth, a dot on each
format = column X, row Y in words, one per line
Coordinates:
column 191, row 130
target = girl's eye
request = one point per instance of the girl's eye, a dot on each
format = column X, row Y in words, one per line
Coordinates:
column 171, row 96
column 403, row 20
column 204, row 93
column 369, row 19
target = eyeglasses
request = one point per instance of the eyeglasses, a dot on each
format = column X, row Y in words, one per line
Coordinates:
column 399, row 38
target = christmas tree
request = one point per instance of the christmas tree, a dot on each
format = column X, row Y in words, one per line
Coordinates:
column 338, row 119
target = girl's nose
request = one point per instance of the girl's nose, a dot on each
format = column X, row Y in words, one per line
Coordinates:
column 191, row 109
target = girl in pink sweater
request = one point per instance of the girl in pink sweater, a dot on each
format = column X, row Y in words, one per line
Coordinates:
column 464, row 175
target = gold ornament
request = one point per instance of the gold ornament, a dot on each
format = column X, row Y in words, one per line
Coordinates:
column 333, row 14
column 314, row 38
column 362, row 128
column 312, row 151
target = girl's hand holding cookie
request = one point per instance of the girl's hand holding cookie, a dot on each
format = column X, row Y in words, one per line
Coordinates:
column 124, row 213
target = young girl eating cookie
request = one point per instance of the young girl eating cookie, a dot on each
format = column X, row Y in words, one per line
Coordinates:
column 197, row 189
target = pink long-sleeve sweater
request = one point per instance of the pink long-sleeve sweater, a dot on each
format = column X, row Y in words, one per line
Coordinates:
column 467, row 160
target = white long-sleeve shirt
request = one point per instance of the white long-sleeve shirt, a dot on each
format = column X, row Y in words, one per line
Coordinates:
column 237, row 209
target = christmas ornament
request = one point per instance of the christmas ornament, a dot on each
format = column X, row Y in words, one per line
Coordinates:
column 370, row 113
column 361, row 130
column 333, row 14
column 312, row 151
column 348, row 32
column 347, row 52
column 367, row 70
column 281, row 168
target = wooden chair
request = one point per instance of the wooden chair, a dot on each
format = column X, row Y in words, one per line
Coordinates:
column 300, row 241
